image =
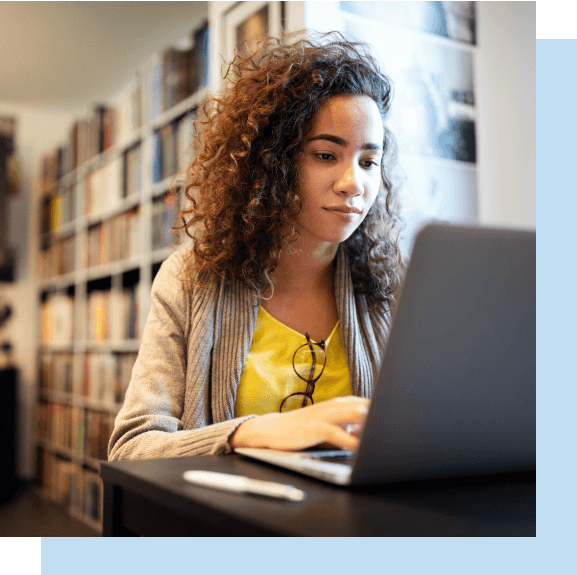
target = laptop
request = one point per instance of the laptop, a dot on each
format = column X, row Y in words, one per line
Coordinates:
column 456, row 391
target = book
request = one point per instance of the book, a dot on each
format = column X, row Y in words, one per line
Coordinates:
column 170, row 77
column 108, row 128
column 128, row 107
column 57, row 315
column 132, row 174
column 156, row 156
column 185, row 141
column 154, row 74
column 168, row 145
column 201, row 40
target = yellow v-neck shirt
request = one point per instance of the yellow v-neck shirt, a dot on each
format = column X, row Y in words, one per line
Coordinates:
column 268, row 375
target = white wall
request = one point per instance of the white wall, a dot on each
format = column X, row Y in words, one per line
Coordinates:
column 38, row 131
column 506, row 137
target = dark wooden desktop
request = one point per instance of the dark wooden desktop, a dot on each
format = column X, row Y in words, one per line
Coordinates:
column 151, row 498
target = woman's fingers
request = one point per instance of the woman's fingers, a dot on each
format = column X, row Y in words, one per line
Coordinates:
column 319, row 423
column 345, row 410
column 346, row 417
column 337, row 436
column 352, row 428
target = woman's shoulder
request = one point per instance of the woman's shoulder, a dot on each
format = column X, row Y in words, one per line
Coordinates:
column 172, row 267
column 173, row 279
column 177, row 276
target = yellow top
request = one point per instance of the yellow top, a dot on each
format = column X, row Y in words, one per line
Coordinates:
column 268, row 375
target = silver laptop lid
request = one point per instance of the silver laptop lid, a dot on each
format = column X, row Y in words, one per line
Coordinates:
column 456, row 393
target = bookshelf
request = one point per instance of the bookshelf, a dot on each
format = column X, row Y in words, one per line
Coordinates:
column 106, row 208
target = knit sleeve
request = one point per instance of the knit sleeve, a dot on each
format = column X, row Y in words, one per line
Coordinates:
column 150, row 423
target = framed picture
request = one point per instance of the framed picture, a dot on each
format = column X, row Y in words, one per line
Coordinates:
column 247, row 23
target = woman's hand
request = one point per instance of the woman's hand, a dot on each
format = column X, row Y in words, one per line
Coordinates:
column 319, row 423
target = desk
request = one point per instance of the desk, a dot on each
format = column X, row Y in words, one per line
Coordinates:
column 151, row 498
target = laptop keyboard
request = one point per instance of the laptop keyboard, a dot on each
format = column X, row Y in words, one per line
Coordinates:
column 337, row 456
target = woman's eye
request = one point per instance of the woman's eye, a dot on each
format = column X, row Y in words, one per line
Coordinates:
column 327, row 157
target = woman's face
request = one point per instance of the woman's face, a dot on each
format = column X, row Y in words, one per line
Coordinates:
column 339, row 169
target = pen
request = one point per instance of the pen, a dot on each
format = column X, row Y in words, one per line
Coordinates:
column 239, row 484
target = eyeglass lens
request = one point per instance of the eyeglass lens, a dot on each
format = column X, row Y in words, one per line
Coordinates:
column 309, row 362
column 295, row 401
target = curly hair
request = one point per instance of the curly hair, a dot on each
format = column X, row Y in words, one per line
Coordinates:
column 243, row 186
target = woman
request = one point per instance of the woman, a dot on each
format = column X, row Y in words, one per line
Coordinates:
column 284, row 300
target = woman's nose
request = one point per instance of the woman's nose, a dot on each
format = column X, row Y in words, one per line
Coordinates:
column 350, row 181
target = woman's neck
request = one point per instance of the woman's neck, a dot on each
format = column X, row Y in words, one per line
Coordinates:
column 302, row 269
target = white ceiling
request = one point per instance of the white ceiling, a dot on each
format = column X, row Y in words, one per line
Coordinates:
column 69, row 55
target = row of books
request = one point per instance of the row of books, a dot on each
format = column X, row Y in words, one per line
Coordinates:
column 120, row 178
column 173, row 75
column 113, row 314
column 178, row 72
column 103, row 187
column 128, row 106
column 57, row 372
column 173, row 147
column 99, row 428
column 96, row 375
column 88, row 138
column 84, row 432
column 57, row 319
column 62, row 207
column 107, row 375
column 112, row 240
column 57, row 258
column 62, row 425
column 56, row 209
column 71, row 484
column 165, row 215
column 115, row 239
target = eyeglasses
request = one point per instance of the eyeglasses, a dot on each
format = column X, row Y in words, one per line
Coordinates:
column 309, row 362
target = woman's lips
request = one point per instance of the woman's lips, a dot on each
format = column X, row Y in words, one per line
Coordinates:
column 345, row 213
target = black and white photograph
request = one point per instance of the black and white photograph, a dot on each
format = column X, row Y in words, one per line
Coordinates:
column 433, row 111
column 454, row 20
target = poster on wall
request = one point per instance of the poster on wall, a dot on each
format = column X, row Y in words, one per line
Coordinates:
column 247, row 23
column 454, row 20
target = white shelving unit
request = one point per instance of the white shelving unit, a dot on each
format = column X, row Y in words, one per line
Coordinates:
column 68, row 461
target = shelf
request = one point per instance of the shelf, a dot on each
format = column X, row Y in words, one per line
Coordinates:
column 118, row 208
column 79, row 401
column 82, row 301
column 188, row 104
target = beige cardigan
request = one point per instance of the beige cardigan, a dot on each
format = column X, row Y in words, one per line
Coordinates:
column 181, row 397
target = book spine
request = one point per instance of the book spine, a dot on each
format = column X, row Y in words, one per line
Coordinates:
column 157, row 157
column 155, row 87
column 201, row 56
